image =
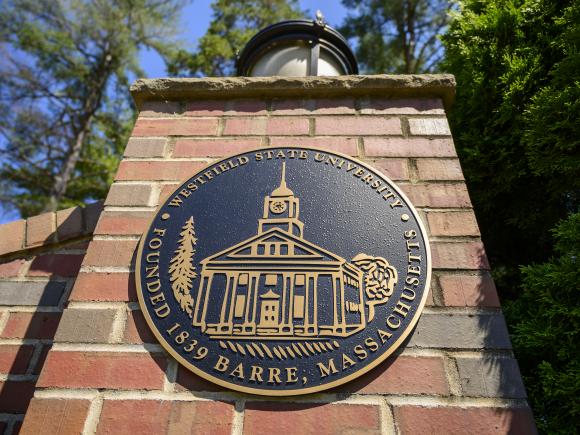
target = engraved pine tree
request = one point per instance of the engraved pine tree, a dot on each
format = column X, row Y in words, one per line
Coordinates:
column 181, row 268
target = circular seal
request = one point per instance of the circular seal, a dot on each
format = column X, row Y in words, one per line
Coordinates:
column 283, row 271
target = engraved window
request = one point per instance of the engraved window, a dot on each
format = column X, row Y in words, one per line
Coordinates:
column 261, row 249
column 271, row 279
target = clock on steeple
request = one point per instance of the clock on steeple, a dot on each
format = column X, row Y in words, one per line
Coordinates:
column 281, row 210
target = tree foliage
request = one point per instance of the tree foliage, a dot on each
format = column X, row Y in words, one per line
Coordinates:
column 516, row 124
column 397, row 36
column 63, row 93
column 233, row 23
column 545, row 322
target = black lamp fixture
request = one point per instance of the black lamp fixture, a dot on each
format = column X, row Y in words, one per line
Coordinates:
column 297, row 48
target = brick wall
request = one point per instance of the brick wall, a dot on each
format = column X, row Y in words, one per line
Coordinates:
column 106, row 373
column 39, row 260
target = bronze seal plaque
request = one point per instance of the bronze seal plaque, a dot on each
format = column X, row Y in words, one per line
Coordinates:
column 283, row 271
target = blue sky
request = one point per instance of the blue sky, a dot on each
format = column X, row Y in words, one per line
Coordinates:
column 194, row 23
column 196, row 18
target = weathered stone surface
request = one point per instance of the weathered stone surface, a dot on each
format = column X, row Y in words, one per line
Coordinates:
column 30, row 293
column 490, row 376
column 461, row 331
column 422, row 86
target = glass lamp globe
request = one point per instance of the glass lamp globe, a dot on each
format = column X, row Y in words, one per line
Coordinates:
column 297, row 48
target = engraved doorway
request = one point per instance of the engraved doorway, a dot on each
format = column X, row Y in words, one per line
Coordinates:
column 269, row 311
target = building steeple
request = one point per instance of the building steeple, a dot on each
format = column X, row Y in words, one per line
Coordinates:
column 282, row 190
column 281, row 209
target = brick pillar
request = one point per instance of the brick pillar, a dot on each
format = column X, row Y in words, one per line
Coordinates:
column 456, row 374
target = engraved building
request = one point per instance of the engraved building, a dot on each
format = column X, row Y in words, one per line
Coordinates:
column 278, row 284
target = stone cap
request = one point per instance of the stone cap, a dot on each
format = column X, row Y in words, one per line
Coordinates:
column 384, row 85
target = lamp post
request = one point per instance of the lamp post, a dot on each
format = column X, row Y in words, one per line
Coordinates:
column 297, row 48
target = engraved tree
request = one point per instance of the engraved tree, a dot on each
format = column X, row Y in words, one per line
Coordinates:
column 181, row 268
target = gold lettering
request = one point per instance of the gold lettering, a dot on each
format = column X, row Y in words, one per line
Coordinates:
column 303, row 155
column 256, row 375
column 152, row 257
column 280, row 155
column 222, row 364
column 414, row 270
column 371, row 344
column 208, row 175
column 402, row 309
column 155, row 243
column 224, row 167
column 358, row 173
column 292, row 153
column 360, row 352
column 367, row 178
column 291, row 375
column 160, row 297
column 184, row 192
column 411, row 234
column 318, row 157
column 412, row 281
column 274, row 375
column 176, row 201
column 159, row 232
column 347, row 362
column 238, row 372
column 327, row 370
column 152, row 271
column 243, row 160
column 397, row 203
column 408, row 294
column 391, row 324
column 258, row 156
column 162, row 311
column 154, row 286
column 384, row 335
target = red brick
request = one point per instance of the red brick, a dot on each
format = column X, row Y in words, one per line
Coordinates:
column 145, row 147
column 395, row 169
column 345, row 145
column 166, row 191
column 41, row 359
column 402, row 106
column 171, row 417
column 213, row 147
column 252, row 107
column 11, row 269
column 163, row 171
column 113, row 370
column 293, row 107
column 12, row 236
column 123, row 223
column 159, row 108
column 115, row 253
column 440, row 195
column 55, row 416
column 14, row 359
column 176, row 127
column 66, row 265
column 188, row 381
column 205, row 108
column 91, row 213
column 296, row 418
column 439, row 169
column 129, row 194
column 468, row 291
column 408, row 147
column 40, row 229
column 15, row 396
column 460, row 255
column 362, row 125
column 335, row 106
column 31, row 325
column 453, row 223
column 267, row 126
column 402, row 375
column 136, row 329
column 104, row 287
column 69, row 223
column 472, row 420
